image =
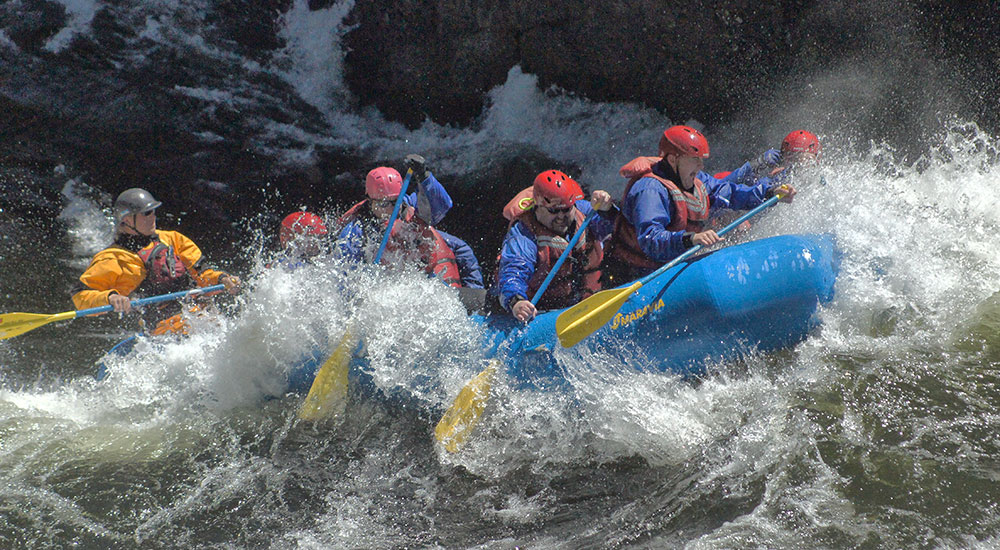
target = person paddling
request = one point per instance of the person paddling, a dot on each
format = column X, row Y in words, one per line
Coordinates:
column 543, row 220
column 146, row 261
column 667, row 202
column 800, row 148
column 412, row 239
column 303, row 236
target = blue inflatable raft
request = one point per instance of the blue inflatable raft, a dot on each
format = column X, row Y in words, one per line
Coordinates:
column 759, row 296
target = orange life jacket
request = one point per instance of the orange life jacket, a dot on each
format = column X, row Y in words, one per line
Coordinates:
column 579, row 276
column 692, row 213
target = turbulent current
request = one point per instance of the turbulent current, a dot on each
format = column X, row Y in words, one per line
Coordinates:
column 880, row 430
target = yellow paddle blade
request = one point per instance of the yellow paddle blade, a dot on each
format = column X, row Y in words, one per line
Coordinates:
column 463, row 415
column 328, row 393
column 581, row 320
column 12, row 324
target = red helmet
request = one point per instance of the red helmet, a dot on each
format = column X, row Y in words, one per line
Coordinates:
column 684, row 141
column 300, row 223
column 554, row 188
column 383, row 183
column 800, row 141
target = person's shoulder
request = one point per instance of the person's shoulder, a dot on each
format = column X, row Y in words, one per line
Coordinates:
column 647, row 183
column 520, row 230
column 113, row 254
column 351, row 226
column 168, row 235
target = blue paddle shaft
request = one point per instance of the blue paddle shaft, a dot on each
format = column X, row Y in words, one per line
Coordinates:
column 694, row 249
column 562, row 257
column 154, row 299
column 395, row 213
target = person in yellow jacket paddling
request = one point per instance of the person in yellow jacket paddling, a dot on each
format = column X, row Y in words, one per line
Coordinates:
column 145, row 261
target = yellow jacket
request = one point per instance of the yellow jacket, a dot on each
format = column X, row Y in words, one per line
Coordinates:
column 115, row 269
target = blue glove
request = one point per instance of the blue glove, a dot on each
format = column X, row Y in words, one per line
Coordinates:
column 765, row 162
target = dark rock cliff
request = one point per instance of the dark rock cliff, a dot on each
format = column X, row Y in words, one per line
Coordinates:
column 130, row 101
column 701, row 60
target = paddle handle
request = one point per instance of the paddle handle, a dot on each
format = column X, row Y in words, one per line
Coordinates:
column 153, row 299
column 395, row 214
column 562, row 257
column 694, row 249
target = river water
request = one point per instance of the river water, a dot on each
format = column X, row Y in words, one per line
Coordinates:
column 878, row 431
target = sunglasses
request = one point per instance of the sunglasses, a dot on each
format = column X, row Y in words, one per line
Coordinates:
column 557, row 211
column 147, row 212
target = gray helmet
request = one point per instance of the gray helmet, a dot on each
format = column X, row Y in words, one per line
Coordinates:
column 134, row 201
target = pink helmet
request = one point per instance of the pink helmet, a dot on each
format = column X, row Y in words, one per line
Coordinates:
column 553, row 188
column 300, row 223
column 684, row 141
column 383, row 183
column 800, row 141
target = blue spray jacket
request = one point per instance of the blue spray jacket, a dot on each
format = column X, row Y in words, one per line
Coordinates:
column 431, row 202
column 468, row 265
column 519, row 254
column 649, row 208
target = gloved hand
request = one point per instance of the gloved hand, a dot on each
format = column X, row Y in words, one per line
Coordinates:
column 418, row 165
column 765, row 162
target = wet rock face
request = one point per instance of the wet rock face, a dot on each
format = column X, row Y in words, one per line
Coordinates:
column 415, row 59
column 136, row 101
column 28, row 23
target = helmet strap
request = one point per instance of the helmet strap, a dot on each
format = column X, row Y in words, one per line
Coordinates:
column 132, row 225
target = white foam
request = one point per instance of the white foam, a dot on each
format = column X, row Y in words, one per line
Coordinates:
column 80, row 13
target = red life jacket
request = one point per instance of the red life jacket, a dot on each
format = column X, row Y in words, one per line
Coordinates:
column 692, row 213
column 165, row 272
column 579, row 276
column 412, row 239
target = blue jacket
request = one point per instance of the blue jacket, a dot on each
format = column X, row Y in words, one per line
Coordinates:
column 431, row 202
column 756, row 172
column 519, row 254
column 649, row 208
column 468, row 265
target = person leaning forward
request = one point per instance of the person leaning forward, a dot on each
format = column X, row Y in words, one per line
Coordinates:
column 146, row 261
column 666, row 205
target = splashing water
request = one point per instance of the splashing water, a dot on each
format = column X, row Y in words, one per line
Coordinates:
column 877, row 431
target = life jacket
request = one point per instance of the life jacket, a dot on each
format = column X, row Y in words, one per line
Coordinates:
column 165, row 273
column 412, row 239
column 521, row 203
column 692, row 213
column 579, row 276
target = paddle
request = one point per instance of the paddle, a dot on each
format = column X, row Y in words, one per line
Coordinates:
column 328, row 392
column 12, row 324
column 458, row 421
column 581, row 320
column 395, row 214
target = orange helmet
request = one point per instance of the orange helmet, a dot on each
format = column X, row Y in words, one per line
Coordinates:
column 383, row 183
column 554, row 188
column 300, row 223
column 800, row 141
column 683, row 141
